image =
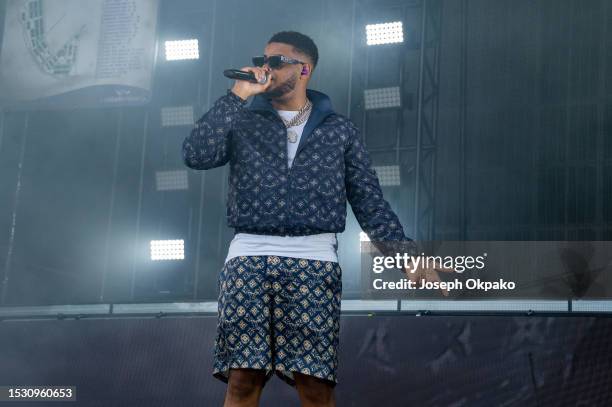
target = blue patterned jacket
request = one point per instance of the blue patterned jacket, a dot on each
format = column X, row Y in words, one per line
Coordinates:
column 267, row 197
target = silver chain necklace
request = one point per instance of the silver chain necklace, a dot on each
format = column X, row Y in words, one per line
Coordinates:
column 298, row 119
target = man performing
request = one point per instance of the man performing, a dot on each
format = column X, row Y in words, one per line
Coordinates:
column 294, row 162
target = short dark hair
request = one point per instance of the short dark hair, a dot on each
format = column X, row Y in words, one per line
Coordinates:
column 300, row 42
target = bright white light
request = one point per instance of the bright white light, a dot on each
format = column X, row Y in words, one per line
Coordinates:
column 386, row 33
column 382, row 98
column 182, row 49
column 171, row 180
column 167, row 249
column 363, row 237
column 388, row 175
column 177, row 116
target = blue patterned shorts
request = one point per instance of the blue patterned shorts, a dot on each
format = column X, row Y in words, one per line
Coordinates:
column 278, row 314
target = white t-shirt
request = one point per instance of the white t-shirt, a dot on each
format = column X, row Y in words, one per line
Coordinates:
column 292, row 147
column 322, row 246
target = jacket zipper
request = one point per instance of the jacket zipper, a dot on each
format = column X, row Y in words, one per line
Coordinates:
column 288, row 177
column 289, row 168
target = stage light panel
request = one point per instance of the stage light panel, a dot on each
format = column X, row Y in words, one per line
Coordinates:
column 182, row 49
column 382, row 98
column 167, row 249
column 171, row 180
column 177, row 116
column 385, row 33
column 388, row 175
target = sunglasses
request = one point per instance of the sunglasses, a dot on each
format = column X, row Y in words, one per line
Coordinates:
column 274, row 61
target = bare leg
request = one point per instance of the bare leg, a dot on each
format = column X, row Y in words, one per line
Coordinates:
column 313, row 391
column 244, row 387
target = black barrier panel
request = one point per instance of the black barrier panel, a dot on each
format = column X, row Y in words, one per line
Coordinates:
column 384, row 360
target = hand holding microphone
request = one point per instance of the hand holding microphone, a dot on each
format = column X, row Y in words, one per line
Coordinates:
column 245, row 88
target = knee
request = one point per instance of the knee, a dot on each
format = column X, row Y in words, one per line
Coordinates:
column 315, row 391
column 245, row 383
column 318, row 395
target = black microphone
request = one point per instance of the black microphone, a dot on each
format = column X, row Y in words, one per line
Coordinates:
column 242, row 75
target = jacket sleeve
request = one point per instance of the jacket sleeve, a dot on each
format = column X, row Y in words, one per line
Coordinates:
column 372, row 211
column 209, row 144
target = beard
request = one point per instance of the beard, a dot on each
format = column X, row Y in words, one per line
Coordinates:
column 281, row 89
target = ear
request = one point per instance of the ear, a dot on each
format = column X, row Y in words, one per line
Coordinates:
column 306, row 70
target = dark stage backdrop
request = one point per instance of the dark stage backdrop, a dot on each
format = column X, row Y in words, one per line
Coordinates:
column 384, row 361
column 521, row 119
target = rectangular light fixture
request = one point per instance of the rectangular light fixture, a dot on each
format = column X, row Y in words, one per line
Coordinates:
column 171, row 180
column 177, row 116
column 167, row 249
column 386, row 33
column 182, row 49
column 388, row 175
column 382, row 98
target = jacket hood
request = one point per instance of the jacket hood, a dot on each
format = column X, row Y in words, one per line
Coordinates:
column 321, row 109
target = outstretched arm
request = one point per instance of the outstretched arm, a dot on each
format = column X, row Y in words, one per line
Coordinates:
column 374, row 214
column 372, row 211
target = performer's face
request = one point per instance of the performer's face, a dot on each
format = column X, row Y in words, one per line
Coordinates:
column 286, row 78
